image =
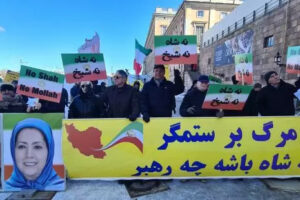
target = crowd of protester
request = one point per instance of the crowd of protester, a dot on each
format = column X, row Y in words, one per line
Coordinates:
column 156, row 99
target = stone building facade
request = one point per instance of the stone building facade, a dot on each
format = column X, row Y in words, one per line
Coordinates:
column 193, row 17
column 161, row 19
column 282, row 25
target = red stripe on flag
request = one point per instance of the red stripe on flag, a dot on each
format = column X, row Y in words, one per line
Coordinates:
column 30, row 94
column 132, row 140
column 92, row 77
column 137, row 67
column 207, row 105
column 292, row 71
column 193, row 59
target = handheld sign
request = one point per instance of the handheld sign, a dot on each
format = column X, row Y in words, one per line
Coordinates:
column 83, row 67
column 176, row 49
column 31, row 152
column 226, row 97
column 244, row 68
column 40, row 84
column 293, row 60
column 11, row 76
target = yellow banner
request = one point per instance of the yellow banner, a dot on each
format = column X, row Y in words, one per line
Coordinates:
column 167, row 72
column 182, row 147
column 11, row 76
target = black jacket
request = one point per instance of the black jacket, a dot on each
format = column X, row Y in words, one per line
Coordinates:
column 160, row 101
column 14, row 104
column 52, row 107
column 86, row 106
column 121, row 102
column 195, row 98
column 276, row 101
column 251, row 108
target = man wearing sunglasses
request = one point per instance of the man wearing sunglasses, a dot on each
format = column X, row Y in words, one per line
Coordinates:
column 121, row 99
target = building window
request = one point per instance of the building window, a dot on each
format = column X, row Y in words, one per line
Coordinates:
column 200, row 13
column 269, row 41
column 223, row 14
column 199, row 32
column 163, row 29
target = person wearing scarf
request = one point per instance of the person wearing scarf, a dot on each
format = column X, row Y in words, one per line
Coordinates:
column 28, row 170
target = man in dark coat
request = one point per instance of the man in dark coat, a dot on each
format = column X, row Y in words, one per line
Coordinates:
column 158, row 95
column 10, row 101
column 191, row 105
column 121, row 99
column 52, row 107
column 251, row 108
column 277, row 98
column 86, row 104
column 75, row 90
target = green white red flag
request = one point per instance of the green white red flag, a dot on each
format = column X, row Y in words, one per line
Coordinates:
column 226, row 97
column 244, row 68
column 83, row 67
column 176, row 49
column 293, row 60
column 140, row 54
column 133, row 133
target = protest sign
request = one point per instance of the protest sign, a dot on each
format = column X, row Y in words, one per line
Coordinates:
column 40, row 84
column 176, row 49
column 244, row 68
column 11, row 76
column 226, row 97
column 293, row 60
column 83, row 67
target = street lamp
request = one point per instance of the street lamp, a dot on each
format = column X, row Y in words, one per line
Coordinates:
column 277, row 59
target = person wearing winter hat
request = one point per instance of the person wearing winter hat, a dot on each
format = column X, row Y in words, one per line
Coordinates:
column 191, row 105
column 277, row 97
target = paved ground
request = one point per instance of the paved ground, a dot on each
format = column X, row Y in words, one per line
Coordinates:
column 242, row 189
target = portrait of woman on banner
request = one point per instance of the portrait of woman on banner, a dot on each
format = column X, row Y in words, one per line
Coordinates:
column 32, row 151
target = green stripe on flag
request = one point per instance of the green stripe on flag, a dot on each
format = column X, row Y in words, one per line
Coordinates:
column 69, row 59
column 243, row 58
column 142, row 49
column 160, row 41
column 35, row 73
column 222, row 88
column 53, row 119
column 293, row 51
column 134, row 125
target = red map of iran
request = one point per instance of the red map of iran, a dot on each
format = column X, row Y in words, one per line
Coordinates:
column 88, row 142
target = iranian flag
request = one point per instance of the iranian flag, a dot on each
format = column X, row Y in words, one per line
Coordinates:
column 83, row 67
column 40, row 84
column 133, row 133
column 244, row 68
column 176, row 49
column 140, row 55
column 226, row 97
